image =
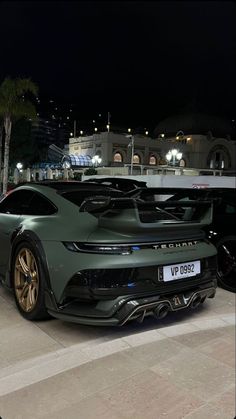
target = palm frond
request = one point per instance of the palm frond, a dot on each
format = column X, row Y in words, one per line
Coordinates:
column 11, row 101
column 26, row 85
column 24, row 109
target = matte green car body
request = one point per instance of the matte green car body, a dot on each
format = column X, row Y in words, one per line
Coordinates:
column 54, row 237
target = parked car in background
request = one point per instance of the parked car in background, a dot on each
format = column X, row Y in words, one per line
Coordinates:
column 221, row 232
column 122, row 184
column 84, row 252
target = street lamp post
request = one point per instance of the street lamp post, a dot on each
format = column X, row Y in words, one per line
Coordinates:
column 96, row 160
column 18, row 172
column 175, row 155
column 19, row 166
column 131, row 144
column 132, row 155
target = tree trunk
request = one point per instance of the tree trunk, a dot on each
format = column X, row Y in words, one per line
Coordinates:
column 7, row 126
column 1, row 140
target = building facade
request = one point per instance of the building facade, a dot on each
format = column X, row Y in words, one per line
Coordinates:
column 204, row 142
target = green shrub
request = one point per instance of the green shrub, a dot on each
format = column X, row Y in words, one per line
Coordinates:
column 91, row 171
column 77, row 176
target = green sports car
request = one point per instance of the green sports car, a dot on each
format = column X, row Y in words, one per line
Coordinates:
column 84, row 252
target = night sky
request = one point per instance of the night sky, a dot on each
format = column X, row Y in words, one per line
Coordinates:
column 142, row 61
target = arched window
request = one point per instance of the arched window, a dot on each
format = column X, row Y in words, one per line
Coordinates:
column 219, row 158
column 182, row 163
column 136, row 159
column 117, row 158
column 152, row 160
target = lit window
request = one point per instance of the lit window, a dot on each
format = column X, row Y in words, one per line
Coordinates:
column 152, row 160
column 136, row 159
column 117, row 158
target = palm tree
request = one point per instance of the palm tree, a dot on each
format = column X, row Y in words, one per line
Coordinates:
column 13, row 105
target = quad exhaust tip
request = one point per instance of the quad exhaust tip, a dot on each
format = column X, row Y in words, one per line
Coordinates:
column 197, row 300
column 161, row 311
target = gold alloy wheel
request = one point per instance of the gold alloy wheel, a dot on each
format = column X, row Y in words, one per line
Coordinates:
column 26, row 280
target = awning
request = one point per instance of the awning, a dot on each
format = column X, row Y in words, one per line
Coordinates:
column 77, row 161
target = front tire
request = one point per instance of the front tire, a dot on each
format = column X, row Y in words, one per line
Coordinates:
column 28, row 282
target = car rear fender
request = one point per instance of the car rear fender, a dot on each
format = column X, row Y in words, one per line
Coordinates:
column 29, row 236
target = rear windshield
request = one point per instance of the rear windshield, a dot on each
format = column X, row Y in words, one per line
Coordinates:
column 146, row 214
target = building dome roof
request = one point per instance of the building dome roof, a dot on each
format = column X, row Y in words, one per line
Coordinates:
column 194, row 123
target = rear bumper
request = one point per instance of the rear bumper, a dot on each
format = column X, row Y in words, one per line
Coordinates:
column 123, row 309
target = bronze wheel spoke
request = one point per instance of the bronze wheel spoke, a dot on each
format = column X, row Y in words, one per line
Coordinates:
column 28, row 301
column 23, row 291
column 22, row 266
column 29, row 259
column 33, row 294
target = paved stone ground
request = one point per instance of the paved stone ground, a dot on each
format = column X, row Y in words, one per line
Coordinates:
column 180, row 367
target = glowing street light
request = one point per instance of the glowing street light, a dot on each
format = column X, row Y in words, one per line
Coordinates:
column 19, row 166
column 175, row 155
column 96, row 160
column 179, row 134
column 66, row 164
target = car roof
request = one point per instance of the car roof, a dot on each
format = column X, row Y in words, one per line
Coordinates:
column 70, row 187
column 63, row 186
column 117, row 180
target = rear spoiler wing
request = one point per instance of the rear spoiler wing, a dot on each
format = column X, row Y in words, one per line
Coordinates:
column 154, row 190
column 125, row 213
column 197, row 194
column 194, row 211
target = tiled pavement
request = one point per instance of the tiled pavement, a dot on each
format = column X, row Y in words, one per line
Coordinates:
column 180, row 367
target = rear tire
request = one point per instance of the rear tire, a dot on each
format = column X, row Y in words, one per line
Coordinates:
column 28, row 282
column 226, row 273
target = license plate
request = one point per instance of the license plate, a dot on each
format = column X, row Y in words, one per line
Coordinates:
column 181, row 270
